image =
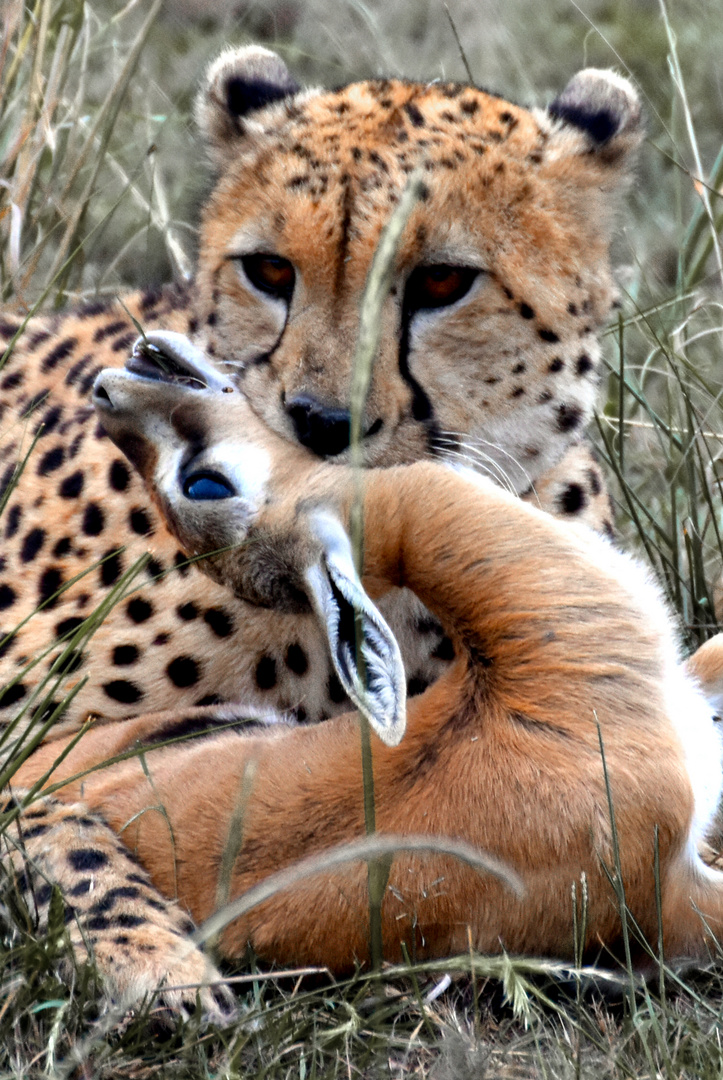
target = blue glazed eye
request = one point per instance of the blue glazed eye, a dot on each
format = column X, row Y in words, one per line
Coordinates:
column 207, row 486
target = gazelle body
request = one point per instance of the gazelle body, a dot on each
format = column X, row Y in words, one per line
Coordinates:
column 566, row 717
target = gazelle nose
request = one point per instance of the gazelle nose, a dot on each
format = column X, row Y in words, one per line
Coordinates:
column 324, row 430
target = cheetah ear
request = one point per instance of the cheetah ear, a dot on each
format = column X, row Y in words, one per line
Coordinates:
column 603, row 108
column 237, row 84
column 377, row 686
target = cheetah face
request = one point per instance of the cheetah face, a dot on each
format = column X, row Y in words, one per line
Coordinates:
column 216, row 472
column 501, row 281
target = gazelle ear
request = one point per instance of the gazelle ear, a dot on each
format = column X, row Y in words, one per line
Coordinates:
column 373, row 674
column 237, row 84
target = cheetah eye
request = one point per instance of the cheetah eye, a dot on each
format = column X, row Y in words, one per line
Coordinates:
column 207, row 485
column 438, row 286
column 270, row 273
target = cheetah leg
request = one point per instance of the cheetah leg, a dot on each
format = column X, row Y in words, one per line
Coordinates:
column 113, row 913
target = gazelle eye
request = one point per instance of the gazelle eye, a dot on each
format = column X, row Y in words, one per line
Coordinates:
column 270, row 273
column 207, row 485
column 438, row 286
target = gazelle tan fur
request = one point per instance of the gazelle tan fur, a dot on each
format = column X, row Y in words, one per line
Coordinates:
column 562, row 643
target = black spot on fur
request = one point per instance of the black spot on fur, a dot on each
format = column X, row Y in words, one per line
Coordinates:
column 526, row 311
column 183, row 671
column 555, row 365
column 568, row 417
column 13, row 380
column 119, row 476
column 50, row 582
column 93, row 520
column 139, row 610
column 97, row 922
column 35, row 830
column 180, row 561
column 122, row 690
column 584, row 364
column 7, row 597
column 82, row 888
column 72, row 486
column 8, row 329
column 414, row 114
column 219, row 621
column 62, row 349
column 75, row 372
column 68, row 626
column 572, row 500
column 265, row 674
column 13, row 522
column 296, row 659
column 187, row 612
column 50, row 420
column 109, row 329
column 335, row 690
column 92, row 308
column 87, row 859
column 109, row 900
column 7, row 641
column 51, row 461
column 548, row 335
column 154, row 569
column 124, row 655
column 35, row 401
column 12, row 695
column 139, row 522
column 111, row 568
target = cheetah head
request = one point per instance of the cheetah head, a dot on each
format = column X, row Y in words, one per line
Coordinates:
column 501, row 282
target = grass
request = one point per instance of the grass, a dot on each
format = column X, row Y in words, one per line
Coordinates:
column 99, row 184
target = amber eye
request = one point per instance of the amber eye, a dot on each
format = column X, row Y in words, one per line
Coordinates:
column 438, row 286
column 270, row 273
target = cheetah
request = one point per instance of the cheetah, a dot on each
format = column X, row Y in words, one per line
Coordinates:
column 489, row 356
column 566, row 691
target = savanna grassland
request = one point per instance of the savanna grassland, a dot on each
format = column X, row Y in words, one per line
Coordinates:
column 100, row 183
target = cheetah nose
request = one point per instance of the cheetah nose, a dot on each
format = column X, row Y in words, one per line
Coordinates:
column 324, row 430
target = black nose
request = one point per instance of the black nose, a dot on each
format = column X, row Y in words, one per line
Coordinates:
column 322, row 429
